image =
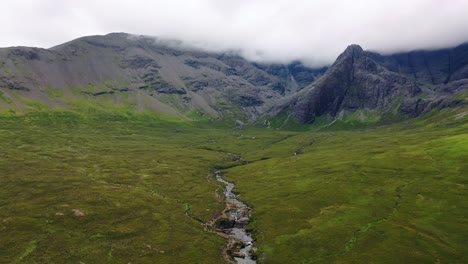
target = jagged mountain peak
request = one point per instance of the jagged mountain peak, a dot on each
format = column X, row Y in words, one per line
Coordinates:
column 350, row 52
column 166, row 76
column 353, row 48
column 361, row 81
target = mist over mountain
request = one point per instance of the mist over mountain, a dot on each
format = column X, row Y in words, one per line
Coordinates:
column 220, row 131
column 314, row 32
column 168, row 77
column 372, row 84
column 149, row 74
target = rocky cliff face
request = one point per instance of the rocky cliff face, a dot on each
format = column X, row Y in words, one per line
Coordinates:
column 164, row 76
column 360, row 80
column 432, row 67
column 150, row 74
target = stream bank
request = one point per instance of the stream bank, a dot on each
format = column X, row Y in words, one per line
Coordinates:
column 232, row 222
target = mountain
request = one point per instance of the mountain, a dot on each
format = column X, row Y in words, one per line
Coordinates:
column 125, row 71
column 433, row 67
column 367, row 83
column 147, row 74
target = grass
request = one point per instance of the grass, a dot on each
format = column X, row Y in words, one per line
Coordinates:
column 55, row 93
column 132, row 181
column 4, row 98
column 392, row 194
column 381, row 194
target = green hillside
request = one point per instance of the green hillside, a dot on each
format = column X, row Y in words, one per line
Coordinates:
column 102, row 187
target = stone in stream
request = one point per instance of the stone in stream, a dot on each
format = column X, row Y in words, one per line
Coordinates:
column 242, row 222
column 225, row 223
column 239, row 217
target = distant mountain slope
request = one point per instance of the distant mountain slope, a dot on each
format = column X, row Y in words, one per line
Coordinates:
column 433, row 67
column 406, row 84
column 147, row 73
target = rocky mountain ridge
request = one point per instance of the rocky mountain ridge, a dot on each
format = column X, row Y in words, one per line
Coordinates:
column 368, row 82
column 150, row 74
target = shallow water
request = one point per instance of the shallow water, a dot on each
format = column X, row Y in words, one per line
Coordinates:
column 240, row 215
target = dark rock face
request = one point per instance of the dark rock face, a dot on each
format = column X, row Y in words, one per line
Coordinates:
column 301, row 74
column 354, row 81
column 228, row 85
column 199, row 84
column 98, row 93
column 145, row 66
column 199, row 64
column 417, row 106
column 28, row 54
column 434, row 67
column 278, row 87
column 230, row 71
column 195, row 85
column 305, row 75
column 365, row 80
column 247, row 100
column 11, row 84
column 138, row 62
column 161, row 86
column 284, row 79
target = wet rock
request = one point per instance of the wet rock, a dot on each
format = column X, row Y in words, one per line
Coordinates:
column 241, row 247
column 225, row 223
column 242, row 222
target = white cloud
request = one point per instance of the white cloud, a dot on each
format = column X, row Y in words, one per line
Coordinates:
column 276, row 30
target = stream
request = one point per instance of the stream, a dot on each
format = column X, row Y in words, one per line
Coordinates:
column 238, row 213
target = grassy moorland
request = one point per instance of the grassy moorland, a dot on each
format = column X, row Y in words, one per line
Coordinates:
column 133, row 176
column 391, row 194
column 133, row 181
column 97, row 187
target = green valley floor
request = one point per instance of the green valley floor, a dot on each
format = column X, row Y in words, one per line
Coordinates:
column 97, row 187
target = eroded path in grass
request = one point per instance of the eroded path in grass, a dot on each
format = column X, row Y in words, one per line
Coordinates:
column 238, row 217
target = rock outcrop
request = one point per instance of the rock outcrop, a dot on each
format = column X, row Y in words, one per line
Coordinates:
column 151, row 73
column 366, row 80
column 165, row 76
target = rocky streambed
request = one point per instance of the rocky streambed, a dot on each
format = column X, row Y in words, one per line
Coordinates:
column 233, row 222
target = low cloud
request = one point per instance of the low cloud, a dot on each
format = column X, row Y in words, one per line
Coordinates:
column 315, row 32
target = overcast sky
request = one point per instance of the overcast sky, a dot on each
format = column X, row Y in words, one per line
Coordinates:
column 314, row 31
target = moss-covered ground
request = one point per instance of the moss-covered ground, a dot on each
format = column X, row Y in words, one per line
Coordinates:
column 386, row 194
column 390, row 194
